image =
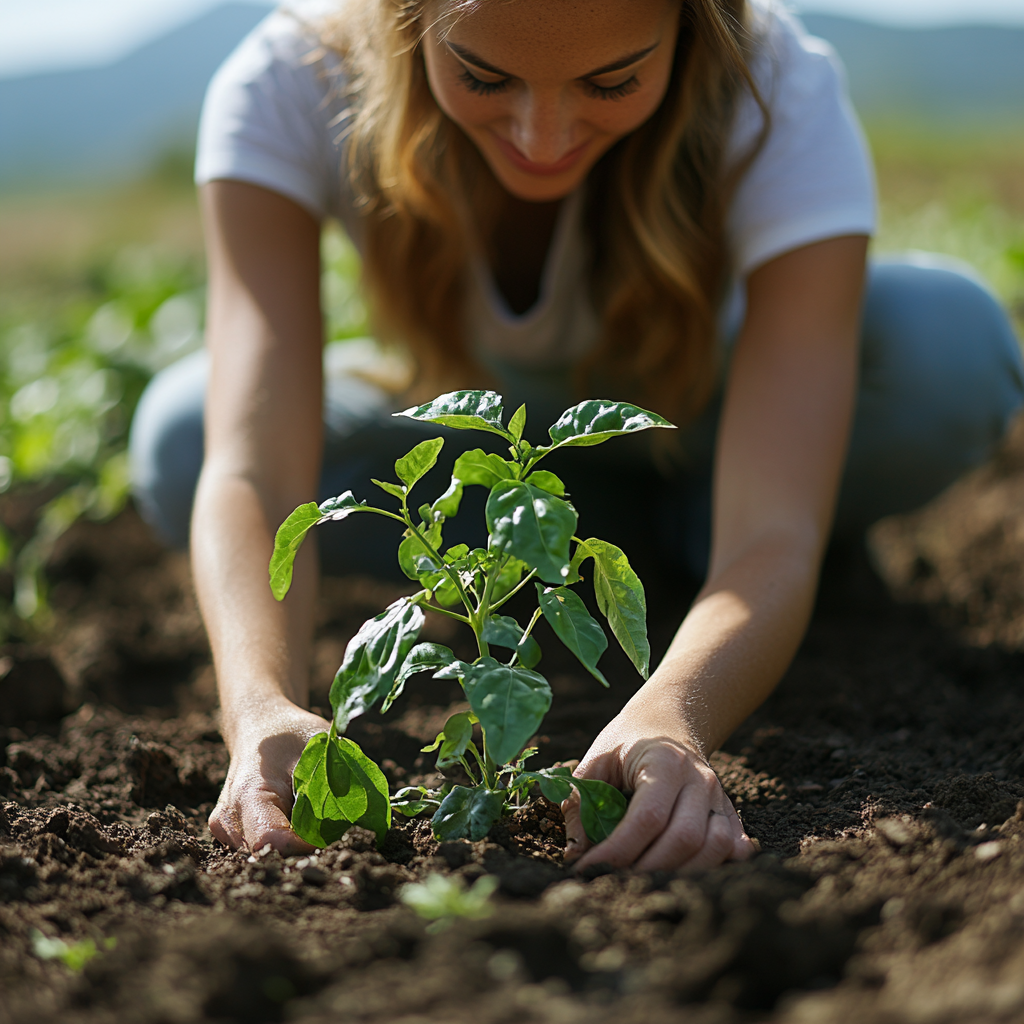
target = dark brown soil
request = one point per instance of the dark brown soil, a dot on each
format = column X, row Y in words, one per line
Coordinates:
column 883, row 782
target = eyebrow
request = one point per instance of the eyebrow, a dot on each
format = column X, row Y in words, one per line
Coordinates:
column 616, row 65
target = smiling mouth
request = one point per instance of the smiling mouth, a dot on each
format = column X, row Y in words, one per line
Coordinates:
column 512, row 154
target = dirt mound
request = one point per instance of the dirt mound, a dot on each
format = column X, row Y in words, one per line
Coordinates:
column 884, row 782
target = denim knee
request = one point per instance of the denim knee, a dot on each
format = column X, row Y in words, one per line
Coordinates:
column 165, row 447
column 941, row 378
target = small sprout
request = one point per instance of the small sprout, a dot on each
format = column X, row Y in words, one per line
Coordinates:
column 74, row 956
column 442, row 898
column 532, row 537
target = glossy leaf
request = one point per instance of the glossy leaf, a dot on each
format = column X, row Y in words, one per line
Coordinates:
column 290, row 535
column 506, row 632
column 338, row 786
column 468, row 813
column 517, row 424
column 620, row 597
column 448, row 504
column 601, row 808
column 422, row 658
column 413, row 800
column 373, row 659
column 414, row 466
column 484, row 468
column 548, row 482
column 464, row 410
column 453, row 740
column 552, row 784
column 413, row 558
column 532, row 525
column 395, row 490
column 575, row 627
column 510, row 703
column 597, row 420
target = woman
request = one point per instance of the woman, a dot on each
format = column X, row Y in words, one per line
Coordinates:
column 623, row 197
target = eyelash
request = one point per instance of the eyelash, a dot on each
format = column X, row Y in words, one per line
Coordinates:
column 616, row 92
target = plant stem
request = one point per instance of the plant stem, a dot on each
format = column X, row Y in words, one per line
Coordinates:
column 434, row 554
column 515, row 590
column 448, row 612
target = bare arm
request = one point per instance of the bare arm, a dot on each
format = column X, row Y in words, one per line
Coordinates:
column 781, row 447
column 263, row 448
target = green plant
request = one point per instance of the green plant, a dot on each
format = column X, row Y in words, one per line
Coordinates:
column 74, row 956
column 531, row 529
column 442, row 898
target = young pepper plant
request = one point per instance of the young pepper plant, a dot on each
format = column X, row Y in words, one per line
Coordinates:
column 532, row 539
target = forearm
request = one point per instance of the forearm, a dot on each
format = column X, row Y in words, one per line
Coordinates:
column 260, row 646
column 735, row 643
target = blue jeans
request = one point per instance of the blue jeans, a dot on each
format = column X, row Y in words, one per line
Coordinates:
column 940, row 379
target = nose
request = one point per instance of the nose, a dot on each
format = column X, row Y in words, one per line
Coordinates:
column 543, row 126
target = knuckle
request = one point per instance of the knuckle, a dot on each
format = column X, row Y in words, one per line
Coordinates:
column 688, row 838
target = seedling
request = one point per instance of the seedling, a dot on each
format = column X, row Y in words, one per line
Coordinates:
column 442, row 898
column 532, row 539
column 73, row 955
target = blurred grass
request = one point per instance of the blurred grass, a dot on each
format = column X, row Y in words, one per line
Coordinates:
column 98, row 290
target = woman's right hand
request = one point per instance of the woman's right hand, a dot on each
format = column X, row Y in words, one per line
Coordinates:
column 255, row 804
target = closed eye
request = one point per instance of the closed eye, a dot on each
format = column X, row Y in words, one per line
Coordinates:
column 611, row 92
column 479, row 86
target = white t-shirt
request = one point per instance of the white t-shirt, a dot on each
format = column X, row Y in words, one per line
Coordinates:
column 272, row 117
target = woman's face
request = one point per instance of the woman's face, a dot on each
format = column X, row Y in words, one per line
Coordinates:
column 545, row 87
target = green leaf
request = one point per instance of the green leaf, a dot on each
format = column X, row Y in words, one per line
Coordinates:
column 575, row 627
column 290, row 535
column 601, row 805
column 504, row 631
column 448, row 504
column 453, row 740
column 373, row 659
column 532, row 525
column 468, row 813
column 422, row 658
column 484, row 468
column 464, row 410
column 517, row 424
column 601, row 808
column 510, row 702
column 419, row 461
column 555, row 783
column 338, row 786
column 413, row 800
column 597, row 420
column 413, row 558
column 547, row 482
column 620, row 597
column 443, row 897
column 508, row 578
column 395, row 490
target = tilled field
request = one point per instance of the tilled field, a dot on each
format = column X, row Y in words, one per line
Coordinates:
column 883, row 782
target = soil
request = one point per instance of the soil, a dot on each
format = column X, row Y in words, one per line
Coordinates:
column 883, row 782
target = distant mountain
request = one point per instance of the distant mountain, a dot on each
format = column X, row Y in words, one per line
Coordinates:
column 115, row 120
column 958, row 75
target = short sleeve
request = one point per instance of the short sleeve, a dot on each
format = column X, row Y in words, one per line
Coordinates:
column 812, row 179
column 268, row 120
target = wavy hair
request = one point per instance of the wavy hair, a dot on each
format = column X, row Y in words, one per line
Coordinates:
column 656, row 205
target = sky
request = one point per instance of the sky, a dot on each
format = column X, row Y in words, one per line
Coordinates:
column 45, row 35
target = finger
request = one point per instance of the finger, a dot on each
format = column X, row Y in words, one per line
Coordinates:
column 658, row 784
column 265, row 822
column 576, row 841
column 684, row 835
column 719, row 841
column 225, row 826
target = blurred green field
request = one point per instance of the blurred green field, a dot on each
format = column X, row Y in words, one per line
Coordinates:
column 98, row 290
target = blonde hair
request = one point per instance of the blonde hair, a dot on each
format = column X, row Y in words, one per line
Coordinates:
column 656, row 206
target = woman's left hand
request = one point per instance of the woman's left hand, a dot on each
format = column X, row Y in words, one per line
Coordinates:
column 678, row 816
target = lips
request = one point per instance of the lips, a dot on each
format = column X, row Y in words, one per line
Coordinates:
column 514, row 157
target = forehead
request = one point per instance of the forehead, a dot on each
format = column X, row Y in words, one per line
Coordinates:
column 557, row 38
